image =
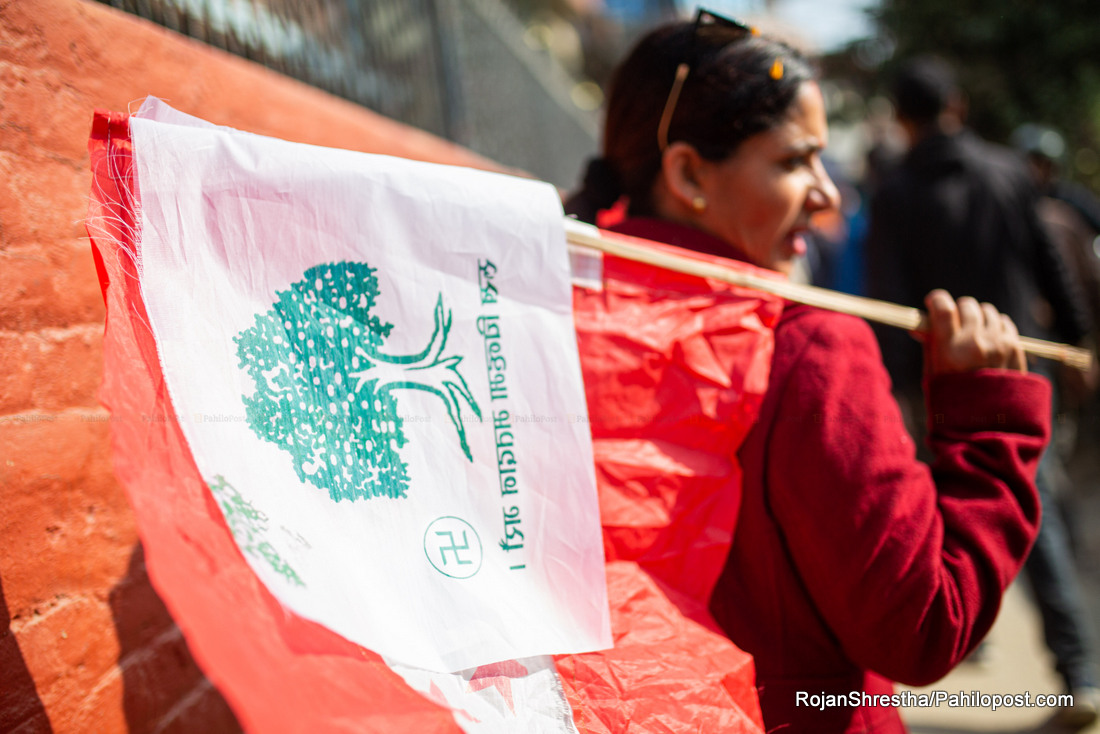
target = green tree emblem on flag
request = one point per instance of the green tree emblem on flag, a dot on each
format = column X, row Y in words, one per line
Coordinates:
column 325, row 389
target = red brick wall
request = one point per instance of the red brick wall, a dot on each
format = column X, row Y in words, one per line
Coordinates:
column 88, row 646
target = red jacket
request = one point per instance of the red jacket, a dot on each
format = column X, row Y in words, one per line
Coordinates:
column 853, row 564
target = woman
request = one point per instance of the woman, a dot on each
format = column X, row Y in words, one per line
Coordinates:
column 853, row 564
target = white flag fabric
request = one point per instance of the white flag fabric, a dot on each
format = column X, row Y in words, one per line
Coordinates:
column 374, row 363
column 502, row 698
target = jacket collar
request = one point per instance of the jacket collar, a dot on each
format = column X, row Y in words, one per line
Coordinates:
column 678, row 235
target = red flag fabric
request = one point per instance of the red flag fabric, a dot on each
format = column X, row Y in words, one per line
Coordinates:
column 675, row 368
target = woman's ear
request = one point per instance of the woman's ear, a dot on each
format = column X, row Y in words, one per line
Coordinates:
column 679, row 194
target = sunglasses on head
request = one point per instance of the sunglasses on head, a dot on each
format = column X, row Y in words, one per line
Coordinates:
column 703, row 19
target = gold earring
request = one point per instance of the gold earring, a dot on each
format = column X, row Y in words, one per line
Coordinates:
column 699, row 204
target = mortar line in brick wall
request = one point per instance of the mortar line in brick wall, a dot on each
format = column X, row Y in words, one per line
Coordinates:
column 186, row 702
column 58, row 333
column 112, row 674
column 9, row 253
column 19, row 624
column 148, row 651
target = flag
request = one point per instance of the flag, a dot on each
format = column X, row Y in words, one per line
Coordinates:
column 234, row 567
column 367, row 369
column 675, row 368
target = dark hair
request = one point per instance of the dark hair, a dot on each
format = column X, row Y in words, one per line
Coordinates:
column 923, row 88
column 730, row 94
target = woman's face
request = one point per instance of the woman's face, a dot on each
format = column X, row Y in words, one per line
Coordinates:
column 762, row 197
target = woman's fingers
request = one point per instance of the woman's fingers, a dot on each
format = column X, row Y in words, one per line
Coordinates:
column 966, row 335
column 1017, row 360
column 971, row 319
column 992, row 319
column 992, row 339
column 943, row 316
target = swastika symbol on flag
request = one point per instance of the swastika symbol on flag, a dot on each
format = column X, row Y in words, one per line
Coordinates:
column 453, row 547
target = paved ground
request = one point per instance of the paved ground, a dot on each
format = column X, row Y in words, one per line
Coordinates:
column 1017, row 659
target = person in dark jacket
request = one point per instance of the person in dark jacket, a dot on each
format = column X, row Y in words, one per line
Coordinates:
column 960, row 213
column 1070, row 211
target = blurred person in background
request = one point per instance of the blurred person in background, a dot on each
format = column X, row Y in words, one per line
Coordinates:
column 853, row 564
column 960, row 213
column 1070, row 211
column 835, row 257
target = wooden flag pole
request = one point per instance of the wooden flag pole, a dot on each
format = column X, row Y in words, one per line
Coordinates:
column 883, row 312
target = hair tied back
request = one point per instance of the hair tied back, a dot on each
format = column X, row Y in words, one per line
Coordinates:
column 600, row 189
column 601, row 182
